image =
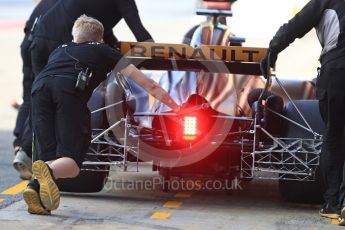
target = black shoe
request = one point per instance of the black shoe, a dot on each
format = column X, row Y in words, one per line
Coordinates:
column 330, row 211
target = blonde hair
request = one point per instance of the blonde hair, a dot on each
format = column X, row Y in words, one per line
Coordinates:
column 87, row 29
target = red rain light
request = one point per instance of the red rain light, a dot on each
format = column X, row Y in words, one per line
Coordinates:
column 189, row 128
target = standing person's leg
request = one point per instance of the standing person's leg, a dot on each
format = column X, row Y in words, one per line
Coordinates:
column 22, row 159
column 23, row 112
column 39, row 50
column 27, row 138
column 332, row 108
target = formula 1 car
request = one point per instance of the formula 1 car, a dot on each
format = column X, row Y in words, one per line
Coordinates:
column 233, row 123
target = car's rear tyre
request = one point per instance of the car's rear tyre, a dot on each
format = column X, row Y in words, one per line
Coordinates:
column 90, row 181
column 303, row 191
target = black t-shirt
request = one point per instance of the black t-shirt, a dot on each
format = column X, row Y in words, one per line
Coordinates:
column 67, row 61
column 58, row 22
column 41, row 8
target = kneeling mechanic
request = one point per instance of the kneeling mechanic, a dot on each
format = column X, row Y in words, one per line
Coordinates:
column 60, row 117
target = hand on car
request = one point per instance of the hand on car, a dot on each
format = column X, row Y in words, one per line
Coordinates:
column 270, row 59
column 177, row 109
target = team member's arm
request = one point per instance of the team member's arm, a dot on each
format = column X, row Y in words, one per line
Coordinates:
column 130, row 14
column 299, row 25
column 134, row 23
column 109, row 38
column 150, row 86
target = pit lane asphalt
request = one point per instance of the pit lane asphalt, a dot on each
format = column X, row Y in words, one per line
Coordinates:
column 126, row 205
column 8, row 176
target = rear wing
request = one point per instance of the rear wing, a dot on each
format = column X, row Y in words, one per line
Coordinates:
column 181, row 57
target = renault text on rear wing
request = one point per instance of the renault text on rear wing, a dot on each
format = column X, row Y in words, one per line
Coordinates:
column 223, row 59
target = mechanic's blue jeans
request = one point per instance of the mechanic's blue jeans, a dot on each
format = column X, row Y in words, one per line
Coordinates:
column 331, row 95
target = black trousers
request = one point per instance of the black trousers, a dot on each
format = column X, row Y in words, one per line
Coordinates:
column 60, row 121
column 331, row 95
column 23, row 113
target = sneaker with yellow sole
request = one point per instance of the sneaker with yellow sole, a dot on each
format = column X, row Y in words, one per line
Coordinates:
column 23, row 163
column 32, row 199
column 49, row 192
